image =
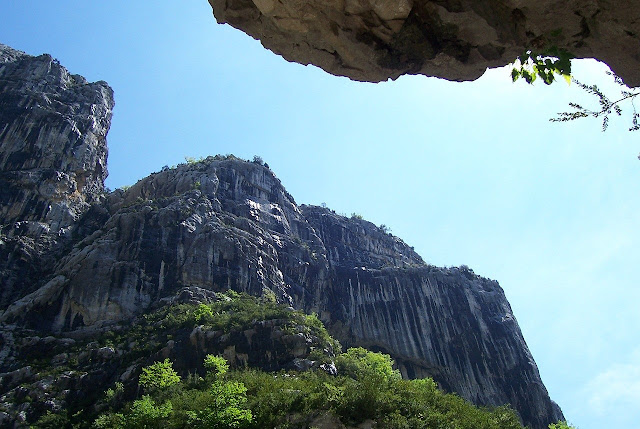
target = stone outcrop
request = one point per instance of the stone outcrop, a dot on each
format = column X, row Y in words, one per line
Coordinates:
column 376, row 40
column 53, row 162
column 217, row 224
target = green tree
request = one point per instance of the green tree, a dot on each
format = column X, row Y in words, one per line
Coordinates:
column 368, row 393
column 225, row 408
column 216, row 365
column 158, row 376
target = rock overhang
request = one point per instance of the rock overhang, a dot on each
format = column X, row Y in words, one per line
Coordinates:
column 377, row 40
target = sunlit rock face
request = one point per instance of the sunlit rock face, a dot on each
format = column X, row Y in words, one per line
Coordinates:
column 53, row 161
column 376, row 40
column 224, row 223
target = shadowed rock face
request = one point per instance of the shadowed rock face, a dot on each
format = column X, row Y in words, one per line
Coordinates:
column 376, row 40
column 223, row 223
column 449, row 324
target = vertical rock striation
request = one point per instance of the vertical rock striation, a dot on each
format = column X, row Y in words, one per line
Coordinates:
column 75, row 261
column 446, row 323
column 53, row 162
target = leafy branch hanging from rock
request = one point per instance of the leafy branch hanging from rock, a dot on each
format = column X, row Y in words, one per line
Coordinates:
column 607, row 106
column 546, row 65
column 554, row 62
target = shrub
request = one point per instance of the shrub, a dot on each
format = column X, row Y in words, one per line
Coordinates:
column 202, row 313
column 560, row 425
column 144, row 413
column 360, row 363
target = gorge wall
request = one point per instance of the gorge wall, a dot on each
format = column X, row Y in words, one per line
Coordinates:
column 53, row 163
column 76, row 261
column 376, row 40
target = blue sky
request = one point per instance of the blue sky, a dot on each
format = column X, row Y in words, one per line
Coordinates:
column 468, row 173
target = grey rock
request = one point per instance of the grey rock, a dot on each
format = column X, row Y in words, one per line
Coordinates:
column 191, row 295
column 184, row 234
column 302, row 364
column 11, row 379
column 129, row 373
column 53, row 163
column 329, row 368
column 106, row 353
column 60, row 359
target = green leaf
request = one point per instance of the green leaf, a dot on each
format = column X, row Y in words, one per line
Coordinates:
column 529, row 77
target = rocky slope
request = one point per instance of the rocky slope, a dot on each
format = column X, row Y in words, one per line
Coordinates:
column 67, row 375
column 87, row 262
column 374, row 40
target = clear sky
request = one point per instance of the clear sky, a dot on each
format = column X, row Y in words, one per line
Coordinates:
column 468, row 173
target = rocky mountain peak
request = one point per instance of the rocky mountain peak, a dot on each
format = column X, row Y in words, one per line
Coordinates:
column 54, row 127
column 77, row 263
column 359, row 243
column 53, row 162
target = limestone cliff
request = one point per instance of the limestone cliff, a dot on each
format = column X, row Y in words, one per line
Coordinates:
column 213, row 225
column 375, row 40
column 53, row 162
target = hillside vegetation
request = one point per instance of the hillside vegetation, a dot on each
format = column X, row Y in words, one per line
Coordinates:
column 337, row 390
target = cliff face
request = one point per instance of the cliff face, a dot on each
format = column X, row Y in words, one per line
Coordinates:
column 219, row 224
column 449, row 324
column 53, row 162
column 374, row 40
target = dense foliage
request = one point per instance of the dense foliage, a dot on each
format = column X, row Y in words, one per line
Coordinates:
column 368, row 388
